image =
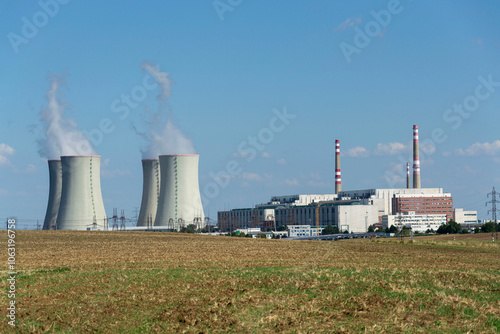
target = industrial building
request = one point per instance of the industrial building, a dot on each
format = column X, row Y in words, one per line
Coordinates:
column 353, row 210
column 418, row 223
column 465, row 217
column 424, row 204
column 303, row 231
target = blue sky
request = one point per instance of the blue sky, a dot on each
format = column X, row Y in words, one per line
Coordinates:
column 234, row 65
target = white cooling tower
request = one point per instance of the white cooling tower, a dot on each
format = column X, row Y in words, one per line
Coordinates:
column 180, row 201
column 55, row 186
column 81, row 205
column 150, row 192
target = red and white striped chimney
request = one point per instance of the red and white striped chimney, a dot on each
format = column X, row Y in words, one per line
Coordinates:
column 408, row 175
column 338, row 180
column 416, row 159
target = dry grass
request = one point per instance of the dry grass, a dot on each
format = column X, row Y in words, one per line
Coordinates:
column 163, row 282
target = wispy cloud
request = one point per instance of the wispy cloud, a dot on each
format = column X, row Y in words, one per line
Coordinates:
column 348, row 23
column 251, row 177
column 281, row 161
column 391, row 149
column 478, row 149
column 396, row 175
column 357, row 152
column 290, row 182
column 318, row 184
column 265, row 155
column 382, row 149
column 5, row 150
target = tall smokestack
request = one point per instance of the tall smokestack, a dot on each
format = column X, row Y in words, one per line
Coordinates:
column 416, row 159
column 81, row 205
column 408, row 175
column 150, row 192
column 55, row 187
column 180, row 200
column 338, row 180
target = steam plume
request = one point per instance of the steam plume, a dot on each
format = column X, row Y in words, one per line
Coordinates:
column 164, row 137
column 61, row 134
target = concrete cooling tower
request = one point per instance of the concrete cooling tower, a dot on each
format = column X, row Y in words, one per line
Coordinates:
column 180, row 201
column 81, row 205
column 55, row 186
column 150, row 192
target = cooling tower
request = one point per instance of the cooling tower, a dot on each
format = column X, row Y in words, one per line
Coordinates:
column 180, row 201
column 150, row 192
column 338, row 180
column 416, row 159
column 55, row 186
column 81, row 205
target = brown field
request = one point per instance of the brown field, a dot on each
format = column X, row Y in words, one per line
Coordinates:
column 169, row 282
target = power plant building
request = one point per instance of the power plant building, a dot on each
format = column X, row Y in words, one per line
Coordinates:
column 179, row 203
column 418, row 223
column 81, row 206
column 352, row 211
column 465, row 217
column 348, row 215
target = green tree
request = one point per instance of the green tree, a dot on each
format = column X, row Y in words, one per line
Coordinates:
column 191, row 228
column 329, row 229
column 283, row 228
column 371, row 229
column 489, row 227
column 451, row 227
column 392, row 229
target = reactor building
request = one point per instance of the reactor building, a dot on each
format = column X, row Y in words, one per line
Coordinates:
column 81, row 206
column 179, row 203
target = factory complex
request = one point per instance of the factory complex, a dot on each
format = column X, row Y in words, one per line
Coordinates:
column 354, row 211
column 171, row 201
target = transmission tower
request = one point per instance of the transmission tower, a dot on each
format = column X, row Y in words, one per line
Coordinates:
column 493, row 202
column 115, row 219
column 122, row 220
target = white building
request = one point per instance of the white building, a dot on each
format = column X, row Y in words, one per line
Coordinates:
column 383, row 198
column 418, row 223
column 464, row 217
column 303, row 231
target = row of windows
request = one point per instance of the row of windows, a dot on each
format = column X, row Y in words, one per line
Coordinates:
column 425, row 208
column 434, row 211
column 423, row 199
column 427, row 204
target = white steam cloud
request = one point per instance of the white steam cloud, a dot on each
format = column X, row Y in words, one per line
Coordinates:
column 61, row 134
column 163, row 137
